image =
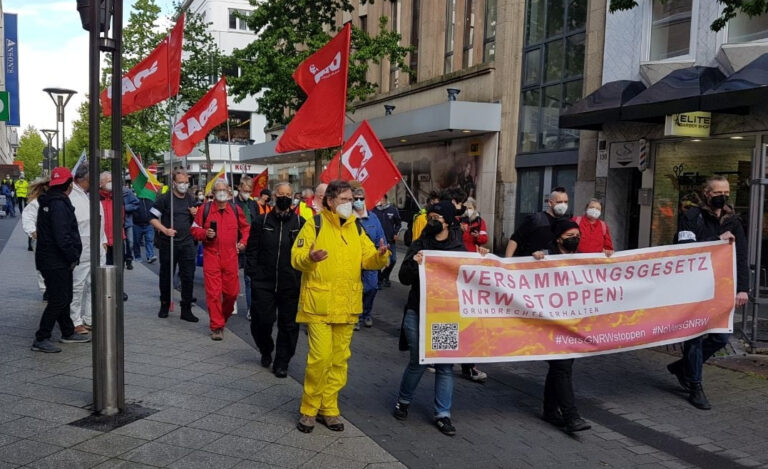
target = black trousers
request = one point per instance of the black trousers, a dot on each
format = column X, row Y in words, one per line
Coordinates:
column 267, row 306
column 184, row 259
column 558, row 389
column 58, row 285
column 22, row 201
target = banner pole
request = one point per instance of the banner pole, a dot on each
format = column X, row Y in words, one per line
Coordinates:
column 229, row 149
column 171, row 116
column 415, row 200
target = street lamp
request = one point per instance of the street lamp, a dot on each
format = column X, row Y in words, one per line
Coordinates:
column 60, row 98
column 49, row 133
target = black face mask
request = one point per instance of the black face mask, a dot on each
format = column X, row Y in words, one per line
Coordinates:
column 283, row 203
column 718, row 201
column 571, row 244
column 433, row 228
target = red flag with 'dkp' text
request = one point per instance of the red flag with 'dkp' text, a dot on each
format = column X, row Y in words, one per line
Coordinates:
column 154, row 79
column 319, row 123
column 362, row 157
column 201, row 118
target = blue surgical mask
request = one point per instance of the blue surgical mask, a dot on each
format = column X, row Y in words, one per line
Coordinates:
column 358, row 204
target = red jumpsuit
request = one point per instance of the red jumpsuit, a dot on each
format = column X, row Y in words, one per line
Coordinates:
column 220, row 270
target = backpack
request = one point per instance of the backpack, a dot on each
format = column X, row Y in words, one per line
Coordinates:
column 207, row 210
column 602, row 224
column 319, row 222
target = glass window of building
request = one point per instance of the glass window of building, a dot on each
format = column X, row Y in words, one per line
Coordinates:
column 670, row 29
column 468, row 58
column 553, row 70
column 489, row 41
column 236, row 21
column 745, row 29
column 450, row 27
column 415, row 27
column 364, row 23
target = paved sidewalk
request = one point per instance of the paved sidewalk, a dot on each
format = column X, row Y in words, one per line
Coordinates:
column 215, row 406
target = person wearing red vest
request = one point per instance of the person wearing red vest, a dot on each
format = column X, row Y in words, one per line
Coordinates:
column 223, row 229
column 595, row 235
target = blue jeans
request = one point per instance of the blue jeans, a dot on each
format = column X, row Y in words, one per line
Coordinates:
column 128, row 245
column 698, row 350
column 414, row 371
column 368, row 297
column 148, row 233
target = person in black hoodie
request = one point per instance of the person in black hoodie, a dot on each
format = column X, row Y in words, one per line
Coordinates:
column 57, row 254
column 437, row 235
column 559, row 400
column 275, row 284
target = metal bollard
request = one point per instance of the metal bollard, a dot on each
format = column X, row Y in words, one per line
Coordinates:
column 105, row 366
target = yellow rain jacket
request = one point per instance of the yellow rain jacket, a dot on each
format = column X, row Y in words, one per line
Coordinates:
column 332, row 289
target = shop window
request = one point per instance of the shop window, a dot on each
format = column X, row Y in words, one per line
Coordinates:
column 670, row 29
column 745, row 29
column 236, row 21
column 530, row 182
column 450, row 27
column 489, row 41
column 469, row 34
column 553, row 70
column 414, row 61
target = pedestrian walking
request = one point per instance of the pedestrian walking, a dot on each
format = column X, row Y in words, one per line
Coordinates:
column 184, row 252
column 80, row 310
column 143, row 231
column 274, row 282
column 712, row 220
column 437, row 235
column 389, row 217
column 58, row 252
column 6, row 190
column 474, row 232
column 535, row 233
column 29, row 221
column 251, row 210
column 331, row 252
column 21, row 187
column 595, row 234
column 559, row 400
column 130, row 205
column 222, row 228
column 375, row 232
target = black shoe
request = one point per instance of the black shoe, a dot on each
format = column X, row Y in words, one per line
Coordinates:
column 576, row 424
column 266, row 360
column 445, row 426
column 676, row 368
column 387, row 283
column 697, row 397
column 401, row 411
column 280, row 372
column 555, row 419
column 194, row 300
column 164, row 307
column 29, row 248
column 380, row 286
column 125, row 296
column 45, row 296
column 186, row 313
column 129, row 265
column 45, row 346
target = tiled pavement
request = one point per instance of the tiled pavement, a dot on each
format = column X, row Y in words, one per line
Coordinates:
column 216, row 407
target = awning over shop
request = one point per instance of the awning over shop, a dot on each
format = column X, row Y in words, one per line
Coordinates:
column 444, row 121
column 745, row 88
column 678, row 92
column 603, row 105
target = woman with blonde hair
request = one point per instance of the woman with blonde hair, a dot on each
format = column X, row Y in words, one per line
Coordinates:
column 37, row 188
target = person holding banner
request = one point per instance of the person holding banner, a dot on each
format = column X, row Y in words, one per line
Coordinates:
column 595, row 235
column 535, row 233
column 331, row 251
column 559, row 400
column 714, row 219
column 437, row 235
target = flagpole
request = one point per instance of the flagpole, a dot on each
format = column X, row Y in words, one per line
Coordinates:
column 171, row 117
column 411, row 192
column 229, row 149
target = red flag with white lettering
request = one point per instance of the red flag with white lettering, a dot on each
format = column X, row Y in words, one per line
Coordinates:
column 362, row 157
column 319, row 123
column 154, row 79
column 201, row 118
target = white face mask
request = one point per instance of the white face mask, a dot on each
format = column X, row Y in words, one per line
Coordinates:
column 201, row 197
column 222, row 196
column 108, row 186
column 244, row 195
column 344, row 210
column 593, row 213
column 470, row 212
column 560, row 209
column 182, row 187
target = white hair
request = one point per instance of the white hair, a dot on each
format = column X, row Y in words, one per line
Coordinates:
column 219, row 182
column 281, row 184
column 103, row 176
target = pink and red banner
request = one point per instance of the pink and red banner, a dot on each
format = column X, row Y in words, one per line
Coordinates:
column 489, row 309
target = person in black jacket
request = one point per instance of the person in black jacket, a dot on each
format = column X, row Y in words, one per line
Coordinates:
column 57, row 254
column 437, row 235
column 712, row 220
column 275, row 284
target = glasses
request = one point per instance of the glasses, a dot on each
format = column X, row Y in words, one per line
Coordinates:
column 437, row 217
column 359, row 198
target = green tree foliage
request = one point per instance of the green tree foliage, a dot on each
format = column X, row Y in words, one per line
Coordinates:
column 289, row 31
column 731, row 8
column 30, row 151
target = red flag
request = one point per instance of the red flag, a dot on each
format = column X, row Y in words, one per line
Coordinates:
column 152, row 80
column 319, row 123
column 362, row 157
column 261, row 181
column 201, row 118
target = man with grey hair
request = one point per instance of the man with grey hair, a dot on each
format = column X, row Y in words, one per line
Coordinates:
column 319, row 194
column 535, row 234
column 223, row 230
column 80, row 308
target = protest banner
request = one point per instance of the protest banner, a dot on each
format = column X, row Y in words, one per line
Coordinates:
column 488, row 309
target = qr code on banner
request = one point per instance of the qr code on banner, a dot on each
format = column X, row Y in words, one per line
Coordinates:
column 445, row 336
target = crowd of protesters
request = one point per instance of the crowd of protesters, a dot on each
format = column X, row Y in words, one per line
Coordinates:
column 318, row 257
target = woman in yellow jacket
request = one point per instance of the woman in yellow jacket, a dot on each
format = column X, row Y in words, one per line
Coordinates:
column 331, row 257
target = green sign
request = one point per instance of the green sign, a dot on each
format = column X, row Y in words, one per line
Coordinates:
column 5, row 109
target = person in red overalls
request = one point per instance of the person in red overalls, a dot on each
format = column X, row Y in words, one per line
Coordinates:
column 474, row 233
column 595, row 234
column 223, row 229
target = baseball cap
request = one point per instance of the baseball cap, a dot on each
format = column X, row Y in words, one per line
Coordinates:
column 60, row 175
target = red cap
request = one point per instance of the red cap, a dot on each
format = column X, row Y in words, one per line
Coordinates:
column 60, row 175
